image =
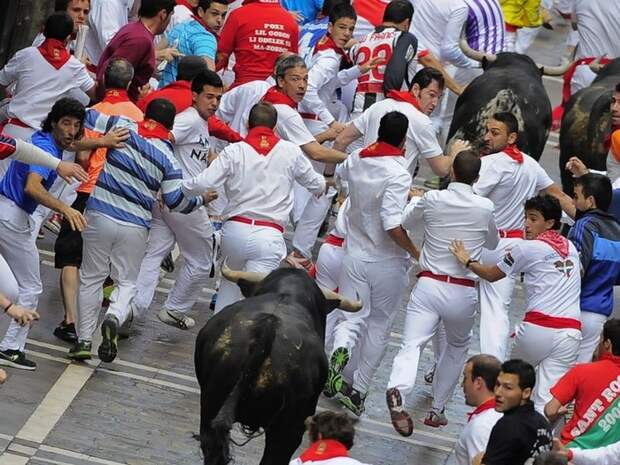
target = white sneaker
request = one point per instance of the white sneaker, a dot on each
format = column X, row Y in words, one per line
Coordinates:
column 174, row 318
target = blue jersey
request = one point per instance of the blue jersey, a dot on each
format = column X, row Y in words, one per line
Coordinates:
column 309, row 35
column 14, row 181
column 307, row 8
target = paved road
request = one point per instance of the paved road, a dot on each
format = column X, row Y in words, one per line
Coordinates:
column 143, row 408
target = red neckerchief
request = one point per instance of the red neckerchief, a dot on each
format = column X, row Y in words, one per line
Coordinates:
column 611, row 357
column 404, row 96
column 274, row 96
column 151, row 129
column 262, row 139
column 54, row 52
column 273, row 2
column 324, row 449
column 327, row 43
column 205, row 25
column 186, row 4
column 513, row 152
column 382, row 149
column 557, row 242
column 487, row 405
column 115, row 96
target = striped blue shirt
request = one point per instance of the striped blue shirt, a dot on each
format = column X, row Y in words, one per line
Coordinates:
column 128, row 184
column 485, row 26
column 190, row 38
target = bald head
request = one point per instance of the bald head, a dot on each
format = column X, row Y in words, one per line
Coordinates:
column 263, row 114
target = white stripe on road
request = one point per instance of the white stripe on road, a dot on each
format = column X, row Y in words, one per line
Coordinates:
column 11, row 459
column 76, row 455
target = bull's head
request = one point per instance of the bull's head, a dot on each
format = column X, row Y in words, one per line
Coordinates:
column 247, row 280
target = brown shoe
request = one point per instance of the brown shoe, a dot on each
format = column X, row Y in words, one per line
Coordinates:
column 401, row 420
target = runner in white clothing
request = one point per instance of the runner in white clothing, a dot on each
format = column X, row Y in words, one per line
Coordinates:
column 193, row 232
column 508, row 177
column 257, row 175
column 105, row 19
column 445, row 292
column 550, row 334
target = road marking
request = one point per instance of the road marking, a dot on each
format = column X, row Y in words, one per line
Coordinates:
column 77, row 455
column 21, row 449
column 11, row 459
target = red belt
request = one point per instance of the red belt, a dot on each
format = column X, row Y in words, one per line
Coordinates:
column 540, row 319
column 511, row 233
column 269, row 224
column 370, row 87
column 334, row 240
column 447, row 279
column 311, row 116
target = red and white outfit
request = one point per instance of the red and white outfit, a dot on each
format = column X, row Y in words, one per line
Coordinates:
column 421, row 140
column 320, row 108
column 508, row 179
column 326, row 452
column 378, row 187
column 257, row 175
column 550, row 334
column 446, row 292
column 475, row 434
column 193, row 232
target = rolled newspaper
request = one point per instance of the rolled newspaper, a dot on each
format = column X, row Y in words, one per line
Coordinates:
column 80, row 41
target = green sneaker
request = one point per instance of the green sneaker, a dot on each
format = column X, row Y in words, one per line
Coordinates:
column 351, row 398
column 109, row 346
column 337, row 362
column 81, row 350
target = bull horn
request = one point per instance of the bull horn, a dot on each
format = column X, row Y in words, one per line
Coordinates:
column 555, row 70
column 596, row 65
column 235, row 275
column 346, row 305
column 474, row 54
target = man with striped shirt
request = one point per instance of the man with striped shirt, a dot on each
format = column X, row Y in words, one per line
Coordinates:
column 118, row 212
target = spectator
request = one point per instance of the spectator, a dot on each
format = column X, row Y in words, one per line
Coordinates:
column 331, row 435
column 596, row 234
column 198, row 36
column 594, row 389
column 479, row 379
column 257, row 33
column 77, row 9
column 105, row 19
column 134, row 42
column 522, row 433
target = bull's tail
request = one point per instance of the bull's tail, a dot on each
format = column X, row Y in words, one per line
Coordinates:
column 215, row 442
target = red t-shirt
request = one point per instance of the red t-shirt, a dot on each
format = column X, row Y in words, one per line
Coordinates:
column 595, row 387
column 134, row 42
column 371, row 10
column 257, row 33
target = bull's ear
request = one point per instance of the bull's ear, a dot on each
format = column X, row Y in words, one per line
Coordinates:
column 331, row 304
column 247, row 287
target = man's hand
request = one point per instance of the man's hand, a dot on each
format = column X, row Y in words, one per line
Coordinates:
column 75, row 218
column 114, row 138
column 559, row 447
column 459, row 251
column 329, row 182
column 331, row 133
column 337, row 126
column 415, row 192
column 576, row 167
column 21, row 315
column 168, row 54
column 371, row 64
column 209, row 197
column 458, row 146
column 2, row 376
column 69, row 171
column 145, row 90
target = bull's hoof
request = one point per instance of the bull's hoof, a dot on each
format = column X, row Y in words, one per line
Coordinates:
column 337, row 362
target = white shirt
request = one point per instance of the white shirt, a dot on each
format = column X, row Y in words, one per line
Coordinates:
column 446, row 215
column 475, row 436
column 509, row 184
column 597, row 26
column 191, row 146
column 341, row 225
column 607, row 455
column 334, row 461
column 180, row 14
column 324, row 77
column 105, row 18
column 258, row 186
column 38, row 85
column 421, row 138
column 235, row 109
column 378, row 189
column 552, row 283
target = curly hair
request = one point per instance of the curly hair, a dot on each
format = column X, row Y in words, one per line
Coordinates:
column 332, row 425
column 64, row 107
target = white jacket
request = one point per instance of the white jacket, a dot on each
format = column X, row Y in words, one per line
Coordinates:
column 608, row 455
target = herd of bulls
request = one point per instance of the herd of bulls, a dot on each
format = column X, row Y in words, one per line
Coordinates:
column 261, row 362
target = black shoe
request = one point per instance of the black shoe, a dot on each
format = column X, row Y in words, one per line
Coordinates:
column 80, row 351
column 16, row 359
column 109, row 346
column 66, row 332
column 167, row 264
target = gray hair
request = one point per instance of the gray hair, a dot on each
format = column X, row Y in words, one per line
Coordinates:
column 286, row 62
column 118, row 74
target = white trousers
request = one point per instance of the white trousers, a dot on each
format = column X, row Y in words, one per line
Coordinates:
column 368, row 330
column 18, row 248
column 308, row 225
column 110, row 248
column 249, row 248
column 433, row 302
column 552, row 352
column 328, row 266
column 495, row 299
column 194, row 234
column 8, row 284
column 591, row 329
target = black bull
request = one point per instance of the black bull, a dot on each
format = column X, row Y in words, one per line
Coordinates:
column 261, row 362
column 586, row 123
column 511, row 83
